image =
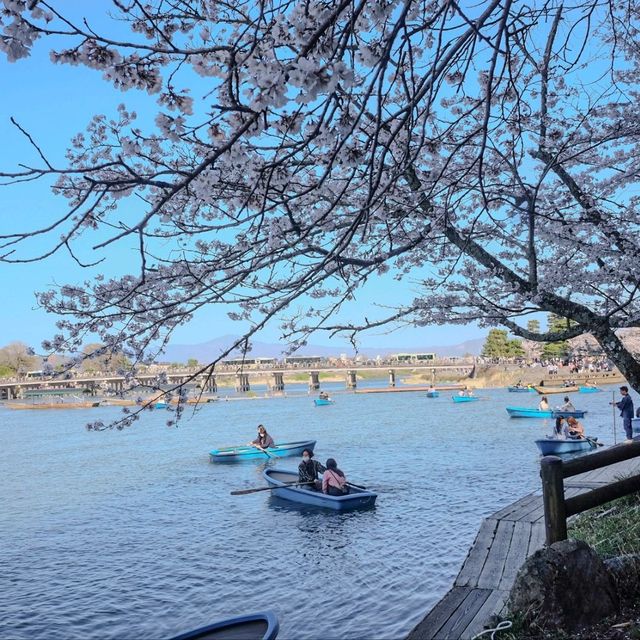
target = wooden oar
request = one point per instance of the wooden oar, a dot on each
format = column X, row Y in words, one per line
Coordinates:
column 592, row 441
column 266, row 453
column 241, row 492
column 357, row 486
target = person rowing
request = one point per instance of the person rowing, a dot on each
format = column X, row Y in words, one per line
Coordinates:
column 575, row 429
column 264, row 440
column 309, row 469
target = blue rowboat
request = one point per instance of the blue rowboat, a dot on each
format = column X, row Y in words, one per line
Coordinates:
column 237, row 454
column 552, row 447
column 433, row 394
column 517, row 389
column 161, row 405
column 355, row 499
column 258, row 626
column 465, row 398
column 320, row 402
column 526, row 412
column 589, row 390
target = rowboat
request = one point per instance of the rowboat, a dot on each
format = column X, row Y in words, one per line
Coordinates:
column 517, row 389
column 320, row 402
column 589, row 389
column 433, row 394
column 465, row 398
column 258, row 626
column 551, row 446
column 239, row 453
column 161, row 405
column 543, row 391
column 527, row 412
column 355, row 499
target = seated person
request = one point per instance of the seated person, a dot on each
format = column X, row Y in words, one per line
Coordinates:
column 575, row 429
column 263, row 440
column 567, row 406
column 323, row 395
column 309, row 469
column 543, row 405
column 561, row 429
column 334, row 482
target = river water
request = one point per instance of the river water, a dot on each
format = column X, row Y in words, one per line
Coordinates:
column 134, row 534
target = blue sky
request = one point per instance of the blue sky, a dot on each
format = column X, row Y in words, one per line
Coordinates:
column 53, row 103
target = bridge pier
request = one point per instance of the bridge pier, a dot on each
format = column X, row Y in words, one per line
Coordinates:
column 242, row 382
column 314, row 380
column 277, row 383
column 351, row 380
column 392, row 378
column 210, row 385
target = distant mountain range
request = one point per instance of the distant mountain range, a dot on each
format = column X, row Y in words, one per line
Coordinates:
column 207, row 351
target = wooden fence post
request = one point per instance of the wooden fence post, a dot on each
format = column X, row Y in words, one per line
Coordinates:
column 555, row 513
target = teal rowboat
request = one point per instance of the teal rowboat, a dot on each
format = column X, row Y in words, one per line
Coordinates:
column 321, row 402
column 527, row 412
column 465, row 398
column 589, row 390
column 240, row 453
column 433, row 394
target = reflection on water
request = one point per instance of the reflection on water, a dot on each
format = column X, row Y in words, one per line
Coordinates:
column 135, row 533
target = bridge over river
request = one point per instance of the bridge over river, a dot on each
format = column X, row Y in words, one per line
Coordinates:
column 242, row 378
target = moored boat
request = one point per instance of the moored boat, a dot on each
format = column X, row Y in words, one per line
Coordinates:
column 355, row 499
column 543, row 391
column 589, row 389
column 433, row 394
column 239, row 453
column 161, row 405
column 552, row 446
column 320, row 402
column 465, row 398
column 52, row 405
column 528, row 412
column 257, row 626
column 520, row 389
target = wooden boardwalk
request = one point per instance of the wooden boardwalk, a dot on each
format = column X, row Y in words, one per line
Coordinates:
column 504, row 541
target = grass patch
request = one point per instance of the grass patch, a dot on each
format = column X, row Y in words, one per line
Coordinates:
column 612, row 529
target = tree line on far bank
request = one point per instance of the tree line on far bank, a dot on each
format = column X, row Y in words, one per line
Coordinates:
column 499, row 345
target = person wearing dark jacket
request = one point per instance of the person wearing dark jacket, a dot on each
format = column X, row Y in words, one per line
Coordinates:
column 309, row 469
column 626, row 411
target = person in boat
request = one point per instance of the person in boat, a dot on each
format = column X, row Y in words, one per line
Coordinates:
column 334, row 482
column 543, row 405
column 567, row 406
column 574, row 428
column 309, row 469
column 264, row 440
column 466, row 393
column 560, row 432
column 323, row 395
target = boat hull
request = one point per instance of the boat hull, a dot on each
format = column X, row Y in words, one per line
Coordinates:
column 321, row 402
column 258, row 626
column 241, row 453
column 526, row 412
column 543, row 391
column 521, row 389
column 433, row 394
column 549, row 446
column 465, row 398
column 589, row 390
column 355, row 499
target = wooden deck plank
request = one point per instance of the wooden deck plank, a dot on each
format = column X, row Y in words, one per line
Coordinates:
column 472, row 567
column 537, row 538
column 494, row 566
column 516, row 555
column 506, row 511
column 525, row 510
column 430, row 626
column 465, row 613
column 493, row 605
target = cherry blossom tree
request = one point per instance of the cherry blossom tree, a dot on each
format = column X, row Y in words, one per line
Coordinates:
column 302, row 148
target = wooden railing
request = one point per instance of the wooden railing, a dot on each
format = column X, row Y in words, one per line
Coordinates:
column 553, row 471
